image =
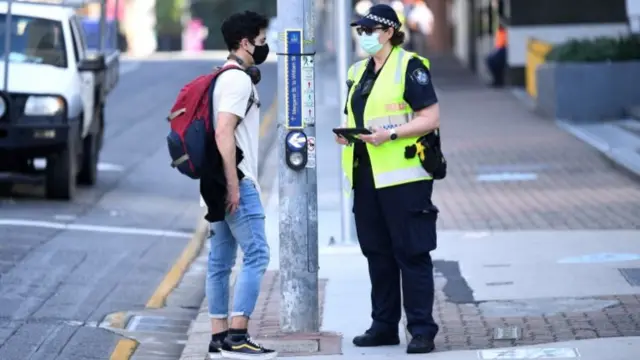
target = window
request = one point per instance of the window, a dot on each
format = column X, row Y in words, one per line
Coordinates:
column 34, row 40
column 74, row 36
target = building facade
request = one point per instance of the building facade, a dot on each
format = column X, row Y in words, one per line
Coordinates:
column 553, row 21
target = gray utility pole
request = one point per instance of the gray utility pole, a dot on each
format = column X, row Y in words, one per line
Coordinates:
column 343, row 59
column 298, row 188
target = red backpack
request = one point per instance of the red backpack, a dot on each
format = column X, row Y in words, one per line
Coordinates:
column 192, row 123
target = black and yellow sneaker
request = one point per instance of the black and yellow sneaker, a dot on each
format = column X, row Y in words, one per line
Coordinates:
column 214, row 349
column 215, row 344
column 242, row 348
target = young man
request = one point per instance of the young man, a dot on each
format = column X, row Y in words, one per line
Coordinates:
column 234, row 209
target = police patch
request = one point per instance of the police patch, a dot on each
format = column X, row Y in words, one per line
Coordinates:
column 421, row 76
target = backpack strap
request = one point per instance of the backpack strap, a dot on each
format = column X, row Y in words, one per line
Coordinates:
column 252, row 97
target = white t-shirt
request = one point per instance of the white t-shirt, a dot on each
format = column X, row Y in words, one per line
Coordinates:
column 231, row 94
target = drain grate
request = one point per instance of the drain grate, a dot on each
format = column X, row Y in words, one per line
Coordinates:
column 141, row 323
column 632, row 275
column 506, row 333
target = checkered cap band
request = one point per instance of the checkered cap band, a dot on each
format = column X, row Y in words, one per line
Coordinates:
column 383, row 21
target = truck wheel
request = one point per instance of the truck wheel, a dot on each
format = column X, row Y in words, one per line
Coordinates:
column 61, row 173
column 89, row 168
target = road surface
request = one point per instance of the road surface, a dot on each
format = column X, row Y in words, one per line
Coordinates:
column 65, row 266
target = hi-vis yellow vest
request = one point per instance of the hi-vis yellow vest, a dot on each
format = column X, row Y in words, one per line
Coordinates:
column 386, row 108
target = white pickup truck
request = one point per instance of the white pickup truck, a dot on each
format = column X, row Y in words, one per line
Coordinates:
column 53, row 103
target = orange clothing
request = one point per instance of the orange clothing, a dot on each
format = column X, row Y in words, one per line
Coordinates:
column 501, row 38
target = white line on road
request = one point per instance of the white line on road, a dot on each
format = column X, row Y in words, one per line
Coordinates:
column 41, row 164
column 94, row 228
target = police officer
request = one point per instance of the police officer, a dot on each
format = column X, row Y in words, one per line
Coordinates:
column 391, row 93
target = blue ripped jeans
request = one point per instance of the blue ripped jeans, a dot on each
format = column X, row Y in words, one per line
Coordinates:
column 245, row 228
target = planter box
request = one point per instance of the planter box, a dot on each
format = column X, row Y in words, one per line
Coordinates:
column 587, row 91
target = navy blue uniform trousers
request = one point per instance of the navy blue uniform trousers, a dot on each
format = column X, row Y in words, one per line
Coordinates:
column 396, row 229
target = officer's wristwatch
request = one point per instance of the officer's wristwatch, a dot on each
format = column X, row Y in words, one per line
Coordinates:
column 393, row 134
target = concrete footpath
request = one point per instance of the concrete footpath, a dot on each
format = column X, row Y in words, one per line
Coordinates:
column 539, row 252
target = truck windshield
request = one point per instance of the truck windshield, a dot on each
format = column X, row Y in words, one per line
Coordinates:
column 34, row 40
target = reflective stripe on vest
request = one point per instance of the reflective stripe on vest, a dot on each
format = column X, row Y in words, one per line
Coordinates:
column 387, row 109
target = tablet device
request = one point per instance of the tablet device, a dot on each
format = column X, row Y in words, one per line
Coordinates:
column 351, row 134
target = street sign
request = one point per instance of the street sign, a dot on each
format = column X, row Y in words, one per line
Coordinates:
column 293, row 82
column 296, row 140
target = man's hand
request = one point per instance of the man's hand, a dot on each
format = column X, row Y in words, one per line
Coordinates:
column 233, row 199
column 377, row 137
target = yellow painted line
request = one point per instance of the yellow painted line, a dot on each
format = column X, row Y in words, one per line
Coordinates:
column 269, row 117
column 174, row 275
column 126, row 347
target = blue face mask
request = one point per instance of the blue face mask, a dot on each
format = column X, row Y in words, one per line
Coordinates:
column 370, row 43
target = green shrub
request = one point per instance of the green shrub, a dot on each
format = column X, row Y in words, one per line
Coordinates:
column 601, row 49
column 168, row 16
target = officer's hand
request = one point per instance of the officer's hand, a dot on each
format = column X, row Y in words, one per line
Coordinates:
column 341, row 140
column 377, row 137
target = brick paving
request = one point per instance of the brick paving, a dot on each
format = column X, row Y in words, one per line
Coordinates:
column 466, row 327
column 265, row 321
column 489, row 131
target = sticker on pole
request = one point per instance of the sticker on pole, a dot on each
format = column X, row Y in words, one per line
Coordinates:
column 308, row 91
column 296, row 140
column 293, row 79
column 311, row 152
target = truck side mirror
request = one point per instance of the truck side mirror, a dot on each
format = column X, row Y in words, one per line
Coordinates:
column 93, row 63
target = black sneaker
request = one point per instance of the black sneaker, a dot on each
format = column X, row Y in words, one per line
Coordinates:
column 243, row 348
column 214, row 349
column 420, row 345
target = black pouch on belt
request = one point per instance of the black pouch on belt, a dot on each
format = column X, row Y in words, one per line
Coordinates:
column 429, row 150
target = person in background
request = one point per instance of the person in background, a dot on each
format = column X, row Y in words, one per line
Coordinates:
column 391, row 93
column 497, row 59
column 420, row 23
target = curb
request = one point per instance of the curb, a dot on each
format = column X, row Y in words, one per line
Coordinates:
column 126, row 347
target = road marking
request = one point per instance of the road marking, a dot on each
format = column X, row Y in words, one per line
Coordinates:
column 532, row 353
column 506, row 176
column 174, row 275
column 126, row 347
column 110, row 167
column 41, row 164
column 599, row 258
column 94, row 228
column 269, row 117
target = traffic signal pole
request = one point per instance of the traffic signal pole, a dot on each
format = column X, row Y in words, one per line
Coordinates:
column 298, row 190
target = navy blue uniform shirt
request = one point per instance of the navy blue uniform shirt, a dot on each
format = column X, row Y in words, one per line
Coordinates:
column 418, row 93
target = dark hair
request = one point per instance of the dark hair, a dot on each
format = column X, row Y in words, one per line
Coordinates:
column 397, row 38
column 245, row 25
